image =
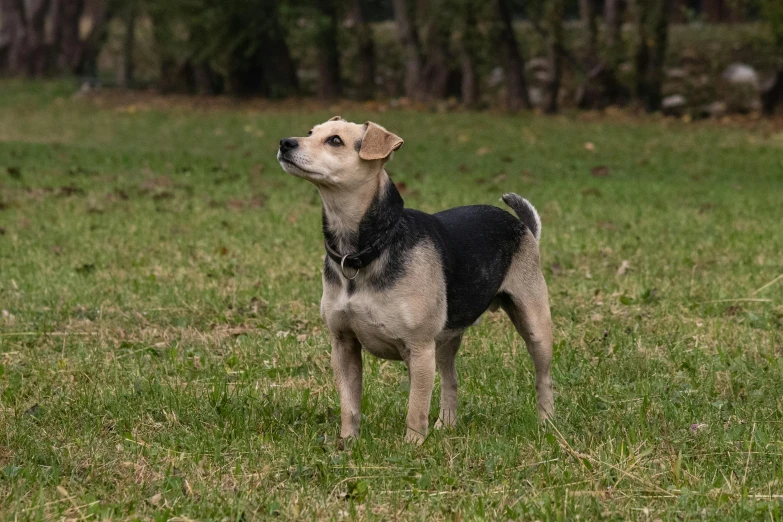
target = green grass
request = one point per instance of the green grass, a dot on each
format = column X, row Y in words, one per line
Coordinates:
column 162, row 353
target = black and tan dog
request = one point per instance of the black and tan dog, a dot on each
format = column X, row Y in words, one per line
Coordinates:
column 404, row 285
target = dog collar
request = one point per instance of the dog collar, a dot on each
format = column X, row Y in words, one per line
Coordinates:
column 360, row 259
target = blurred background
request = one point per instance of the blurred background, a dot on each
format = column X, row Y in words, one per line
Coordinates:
column 687, row 57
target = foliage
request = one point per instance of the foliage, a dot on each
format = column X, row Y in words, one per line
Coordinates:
column 162, row 354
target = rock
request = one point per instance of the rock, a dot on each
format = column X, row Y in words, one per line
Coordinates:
column 741, row 74
column 537, row 64
column 677, row 73
column 673, row 104
column 537, row 97
column 715, row 109
column 496, row 77
column 541, row 76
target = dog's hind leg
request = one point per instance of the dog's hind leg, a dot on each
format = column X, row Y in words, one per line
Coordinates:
column 526, row 301
column 347, row 367
column 445, row 357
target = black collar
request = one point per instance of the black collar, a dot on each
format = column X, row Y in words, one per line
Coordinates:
column 376, row 231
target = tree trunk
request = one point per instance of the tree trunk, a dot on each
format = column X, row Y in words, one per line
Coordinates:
column 69, row 47
column 587, row 12
column 37, row 53
column 435, row 35
column 12, row 30
column 653, row 29
column 128, row 42
column 93, row 44
column 366, row 54
column 514, row 64
column 329, row 85
column 772, row 94
column 468, row 43
column 414, row 88
column 555, row 9
column 614, row 13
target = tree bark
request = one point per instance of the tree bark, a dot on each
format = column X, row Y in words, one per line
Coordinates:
column 587, row 12
column 329, row 84
column 69, row 47
column 93, row 43
column 12, row 30
column 468, row 42
column 513, row 62
column 127, row 79
column 434, row 37
column 772, row 94
column 653, row 29
column 555, row 9
column 409, row 38
column 614, row 13
column 366, row 55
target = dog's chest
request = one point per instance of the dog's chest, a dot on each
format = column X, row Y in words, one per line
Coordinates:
column 374, row 319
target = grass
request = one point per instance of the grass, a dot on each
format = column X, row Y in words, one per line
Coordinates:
column 162, row 354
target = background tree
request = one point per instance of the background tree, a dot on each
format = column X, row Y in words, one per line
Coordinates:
column 326, row 22
column 409, row 38
column 772, row 93
column 517, row 96
column 366, row 51
column 554, row 11
column 652, row 25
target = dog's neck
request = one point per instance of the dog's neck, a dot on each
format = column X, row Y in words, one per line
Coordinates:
column 356, row 219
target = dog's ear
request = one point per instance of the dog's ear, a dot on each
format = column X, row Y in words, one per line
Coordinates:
column 336, row 118
column 378, row 143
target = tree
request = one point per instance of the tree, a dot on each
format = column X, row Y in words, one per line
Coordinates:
column 409, row 38
column 601, row 86
column 468, row 41
column 513, row 62
column 329, row 84
column 366, row 55
column 213, row 45
column 772, row 93
column 554, row 11
column 652, row 24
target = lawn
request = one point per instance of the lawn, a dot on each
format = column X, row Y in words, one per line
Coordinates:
column 162, row 354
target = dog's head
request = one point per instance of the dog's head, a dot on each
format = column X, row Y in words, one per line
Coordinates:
column 338, row 153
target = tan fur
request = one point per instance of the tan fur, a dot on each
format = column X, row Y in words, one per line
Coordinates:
column 405, row 322
column 378, row 143
column 528, row 308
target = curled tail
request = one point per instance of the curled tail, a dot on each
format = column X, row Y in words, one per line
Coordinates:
column 527, row 213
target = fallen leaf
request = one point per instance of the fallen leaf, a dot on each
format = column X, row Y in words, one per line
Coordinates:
column 624, row 267
column 589, row 146
column 155, row 499
column 601, row 171
column 301, row 338
column 483, row 151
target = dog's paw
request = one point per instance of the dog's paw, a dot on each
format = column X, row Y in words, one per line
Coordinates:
column 415, row 437
column 446, row 419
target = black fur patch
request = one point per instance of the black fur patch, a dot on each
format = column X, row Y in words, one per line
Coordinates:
column 357, row 145
column 476, row 245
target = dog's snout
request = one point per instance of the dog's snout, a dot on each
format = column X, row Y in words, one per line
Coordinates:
column 287, row 144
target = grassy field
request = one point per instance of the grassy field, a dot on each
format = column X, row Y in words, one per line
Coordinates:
column 162, row 355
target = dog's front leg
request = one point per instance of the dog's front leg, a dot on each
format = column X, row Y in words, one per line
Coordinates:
column 347, row 368
column 421, row 370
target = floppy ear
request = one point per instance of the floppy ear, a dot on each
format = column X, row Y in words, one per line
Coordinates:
column 378, row 143
column 336, row 118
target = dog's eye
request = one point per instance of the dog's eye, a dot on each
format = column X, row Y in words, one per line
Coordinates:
column 334, row 141
column 310, row 133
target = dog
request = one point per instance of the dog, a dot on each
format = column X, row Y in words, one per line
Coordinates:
column 405, row 285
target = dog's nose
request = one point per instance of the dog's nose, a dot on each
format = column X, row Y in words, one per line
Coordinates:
column 287, row 144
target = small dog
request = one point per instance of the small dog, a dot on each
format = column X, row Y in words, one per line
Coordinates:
column 404, row 285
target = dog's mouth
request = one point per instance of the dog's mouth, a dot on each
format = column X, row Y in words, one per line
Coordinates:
column 294, row 169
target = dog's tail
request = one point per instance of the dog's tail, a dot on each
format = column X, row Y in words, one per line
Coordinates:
column 527, row 213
